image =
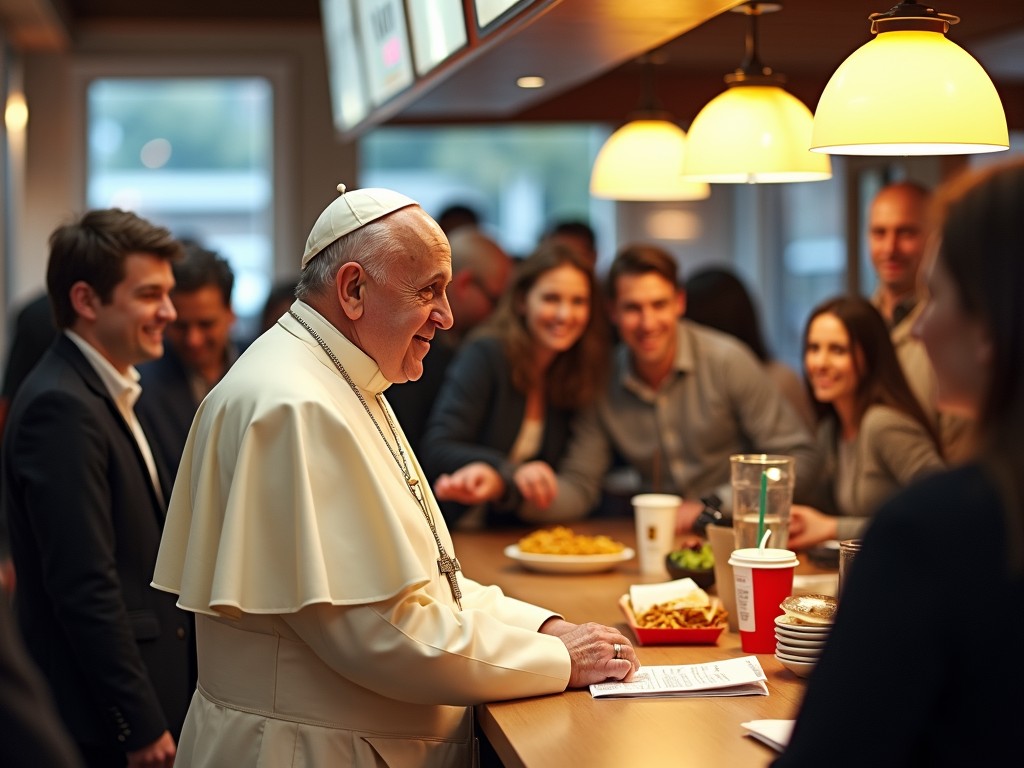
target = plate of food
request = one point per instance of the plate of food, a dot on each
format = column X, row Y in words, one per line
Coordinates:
column 561, row 550
column 668, row 624
column 810, row 609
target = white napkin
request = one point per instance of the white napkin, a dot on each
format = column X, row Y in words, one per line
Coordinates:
column 643, row 596
column 774, row 733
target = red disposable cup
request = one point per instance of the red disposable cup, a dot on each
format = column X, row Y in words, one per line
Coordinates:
column 763, row 579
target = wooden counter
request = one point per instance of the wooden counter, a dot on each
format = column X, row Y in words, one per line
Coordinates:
column 573, row 729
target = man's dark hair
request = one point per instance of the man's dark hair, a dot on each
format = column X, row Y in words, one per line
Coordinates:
column 93, row 249
column 202, row 267
column 640, row 260
column 457, row 215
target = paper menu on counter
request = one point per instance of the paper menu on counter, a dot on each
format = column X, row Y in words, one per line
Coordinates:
column 731, row 677
column 774, row 733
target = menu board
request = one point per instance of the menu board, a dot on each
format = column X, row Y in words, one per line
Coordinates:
column 349, row 102
column 385, row 39
column 488, row 10
column 438, row 30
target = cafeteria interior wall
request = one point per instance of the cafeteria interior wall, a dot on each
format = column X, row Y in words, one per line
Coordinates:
column 694, row 232
column 311, row 163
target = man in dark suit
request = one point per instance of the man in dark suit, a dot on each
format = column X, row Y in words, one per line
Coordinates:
column 86, row 503
column 197, row 352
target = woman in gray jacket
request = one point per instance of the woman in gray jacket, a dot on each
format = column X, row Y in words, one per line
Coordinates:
column 872, row 431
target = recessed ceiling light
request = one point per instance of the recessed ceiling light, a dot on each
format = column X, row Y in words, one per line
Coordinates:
column 530, row 81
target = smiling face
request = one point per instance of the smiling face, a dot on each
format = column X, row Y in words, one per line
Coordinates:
column 202, row 331
column 646, row 311
column 896, row 238
column 830, row 362
column 957, row 344
column 130, row 328
column 401, row 315
column 557, row 308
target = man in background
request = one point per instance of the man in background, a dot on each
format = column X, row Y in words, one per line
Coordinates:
column 480, row 272
column 197, row 352
column 85, row 500
column 457, row 215
column 896, row 242
column 681, row 399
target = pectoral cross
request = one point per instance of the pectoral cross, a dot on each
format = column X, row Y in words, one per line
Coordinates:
column 448, row 565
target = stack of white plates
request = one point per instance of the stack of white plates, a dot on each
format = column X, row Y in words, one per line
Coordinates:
column 801, row 632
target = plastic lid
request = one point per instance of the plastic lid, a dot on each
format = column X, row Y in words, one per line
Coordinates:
column 766, row 556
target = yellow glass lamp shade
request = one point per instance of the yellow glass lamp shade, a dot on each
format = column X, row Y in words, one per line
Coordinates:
column 753, row 134
column 641, row 161
column 909, row 92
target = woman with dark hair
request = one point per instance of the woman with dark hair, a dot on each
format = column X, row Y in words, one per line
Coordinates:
column 501, row 422
column 872, row 431
column 717, row 298
column 945, row 698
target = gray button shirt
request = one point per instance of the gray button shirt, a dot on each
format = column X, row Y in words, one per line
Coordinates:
column 717, row 401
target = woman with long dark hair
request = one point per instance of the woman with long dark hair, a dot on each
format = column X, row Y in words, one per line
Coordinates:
column 923, row 661
column 502, row 420
column 873, row 433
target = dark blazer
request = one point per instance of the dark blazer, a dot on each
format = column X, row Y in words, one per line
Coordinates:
column 85, row 524
column 166, row 407
column 412, row 400
column 924, row 651
column 477, row 417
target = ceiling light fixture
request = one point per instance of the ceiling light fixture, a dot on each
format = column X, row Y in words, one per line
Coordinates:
column 754, row 132
column 641, row 160
column 531, row 81
column 909, row 91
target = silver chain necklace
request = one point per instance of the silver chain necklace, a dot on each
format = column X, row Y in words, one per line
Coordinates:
column 446, row 564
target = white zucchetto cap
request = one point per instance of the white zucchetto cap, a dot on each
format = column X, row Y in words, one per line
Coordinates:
column 349, row 212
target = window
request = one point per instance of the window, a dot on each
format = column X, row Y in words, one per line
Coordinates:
column 194, row 154
column 519, row 178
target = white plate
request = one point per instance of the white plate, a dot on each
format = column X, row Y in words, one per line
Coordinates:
column 810, row 609
column 807, row 654
column 800, row 635
column 785, row 621
column 798, row 668
column 799, row 642
column 568, row 563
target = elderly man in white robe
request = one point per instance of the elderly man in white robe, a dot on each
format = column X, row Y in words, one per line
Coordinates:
column 334, row 625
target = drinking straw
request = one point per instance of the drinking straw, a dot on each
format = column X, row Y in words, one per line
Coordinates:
column 764, row 539
column 764, row 503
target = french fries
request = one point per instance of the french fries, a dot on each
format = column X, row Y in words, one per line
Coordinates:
column 674, row 616
column 561, row 540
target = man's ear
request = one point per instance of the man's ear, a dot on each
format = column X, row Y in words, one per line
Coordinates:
column 681, row 302
column 84, row 300
column 350, row 285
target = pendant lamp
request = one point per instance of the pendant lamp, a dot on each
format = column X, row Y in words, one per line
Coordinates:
column 754, row 132
column 910, row 91
column 641, row 160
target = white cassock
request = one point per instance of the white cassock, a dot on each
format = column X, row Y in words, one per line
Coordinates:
column 326, row 634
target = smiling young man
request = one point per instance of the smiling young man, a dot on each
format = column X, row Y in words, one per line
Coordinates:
column 682, row 398
column 85, row 500
column 334, row 624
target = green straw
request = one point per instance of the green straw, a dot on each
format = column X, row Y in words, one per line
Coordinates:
column 764, row 503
